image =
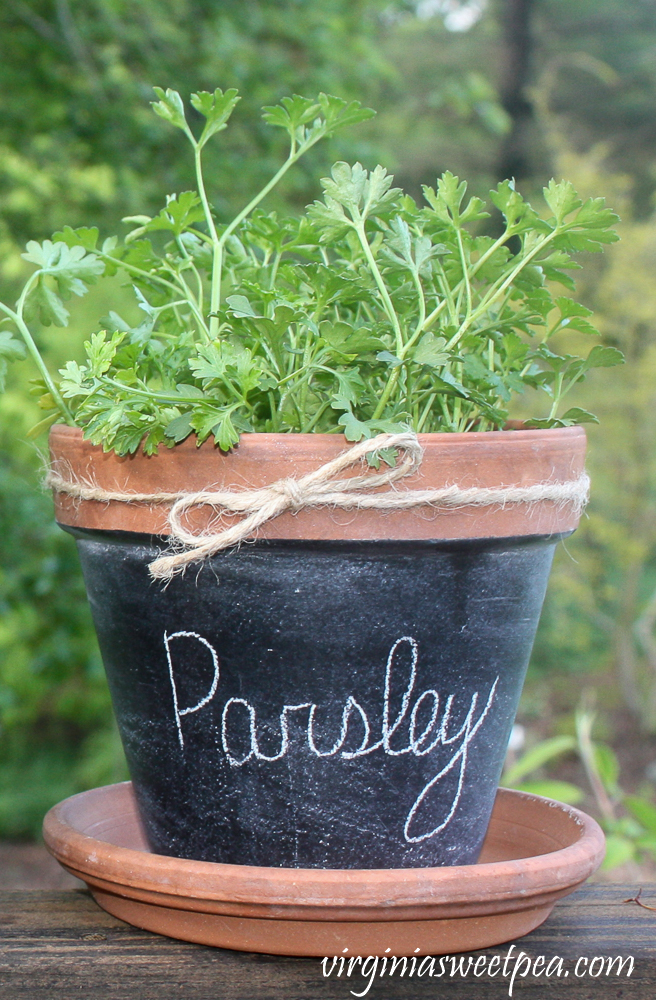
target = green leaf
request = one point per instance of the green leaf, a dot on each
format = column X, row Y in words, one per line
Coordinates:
column 170, row 108
column 240, row 306
column 573, row 316
column 576, row 415
column 389, row 359
column 537, row 756
column 81, row 237
column 330, row 218
column 215, row 420
column 568, row 307
column 603, row 357
column 338, row 113
column 227, row 363
column 291, row 113
column 274, row 331
column 515, row 349
column 519, row 216
column 351, row 384
column 10, row 350
column 353, row 429
column 71, row 267
column 350, row 342
column 561, row 198
column 341, row 402
column 101, row 351
column 43, row 425
column 607, row 765
column 619, row 850
column 181, row 211
column 412, row 253
column 643, row 810
column 179, row 428
column 48, row 306
column 216, row 108
column 73, row 377
column 142, row 255
column 359, row 192
column 448, row 197
column 446, row 201
column 225, row 433
column 561, row 791
column 188, row 391
column 476, row 368
column 306, row 121
column 430, row 351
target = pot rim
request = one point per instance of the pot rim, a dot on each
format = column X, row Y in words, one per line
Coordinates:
column 516, row 428
column 485, row 459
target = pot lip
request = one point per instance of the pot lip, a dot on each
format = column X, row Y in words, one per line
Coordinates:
column 521, row 457
column 518, row 432
column 353, row 888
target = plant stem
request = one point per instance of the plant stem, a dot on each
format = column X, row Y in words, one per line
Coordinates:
column 35, row 354
column 157, row 279
column 501, row 241
column 290, row 161
column 584, row 722
column 316, row 418
column 217, row 247
column 199, row 280
column 465, row 272
column 358, row 225
column 498, row 289
column 558, row 393
column 422, row 316
column 387, row 392
column 218, row 243
column 166, row 398
column 427, row 409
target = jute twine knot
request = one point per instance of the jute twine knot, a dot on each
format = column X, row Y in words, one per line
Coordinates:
column 321, row 488
column 290, row 489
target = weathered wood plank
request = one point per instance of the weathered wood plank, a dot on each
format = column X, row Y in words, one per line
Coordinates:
column 59, row 945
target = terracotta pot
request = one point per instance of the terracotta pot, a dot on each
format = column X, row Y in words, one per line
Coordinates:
column 339, row 693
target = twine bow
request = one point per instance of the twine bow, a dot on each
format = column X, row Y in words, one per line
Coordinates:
column 318, row 488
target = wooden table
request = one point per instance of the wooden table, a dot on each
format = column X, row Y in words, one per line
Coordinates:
column 60, row 946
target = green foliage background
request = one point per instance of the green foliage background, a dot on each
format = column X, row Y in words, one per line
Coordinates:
column 80, row 145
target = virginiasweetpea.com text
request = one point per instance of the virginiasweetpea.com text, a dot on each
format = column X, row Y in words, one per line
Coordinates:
column 514, row 965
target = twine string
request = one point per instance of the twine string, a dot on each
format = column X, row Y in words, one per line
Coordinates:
column 318, row 488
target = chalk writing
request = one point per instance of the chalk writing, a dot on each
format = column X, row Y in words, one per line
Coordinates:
column 179, row 712
column 429, row 727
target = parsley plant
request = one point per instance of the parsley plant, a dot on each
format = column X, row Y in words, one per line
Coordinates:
column 368, row 313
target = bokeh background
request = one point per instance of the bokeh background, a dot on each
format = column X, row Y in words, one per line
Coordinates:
column 486, row 88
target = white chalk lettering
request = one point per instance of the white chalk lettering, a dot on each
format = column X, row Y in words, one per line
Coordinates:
column 179, row 712
column 429, row 728
column 254, row 745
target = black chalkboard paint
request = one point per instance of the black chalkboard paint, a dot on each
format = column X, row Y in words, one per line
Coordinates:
column 318, row 704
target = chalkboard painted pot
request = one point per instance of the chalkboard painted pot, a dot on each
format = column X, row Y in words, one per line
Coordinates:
column 339, row 693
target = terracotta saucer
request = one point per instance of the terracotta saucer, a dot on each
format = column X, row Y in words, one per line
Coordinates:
column 536, row 851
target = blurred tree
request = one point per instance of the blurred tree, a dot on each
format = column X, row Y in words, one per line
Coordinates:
column 599, row 55
column 56, row 733
column 516, row 66
column 467, row 73
column 600, row 612
column 441, row 109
